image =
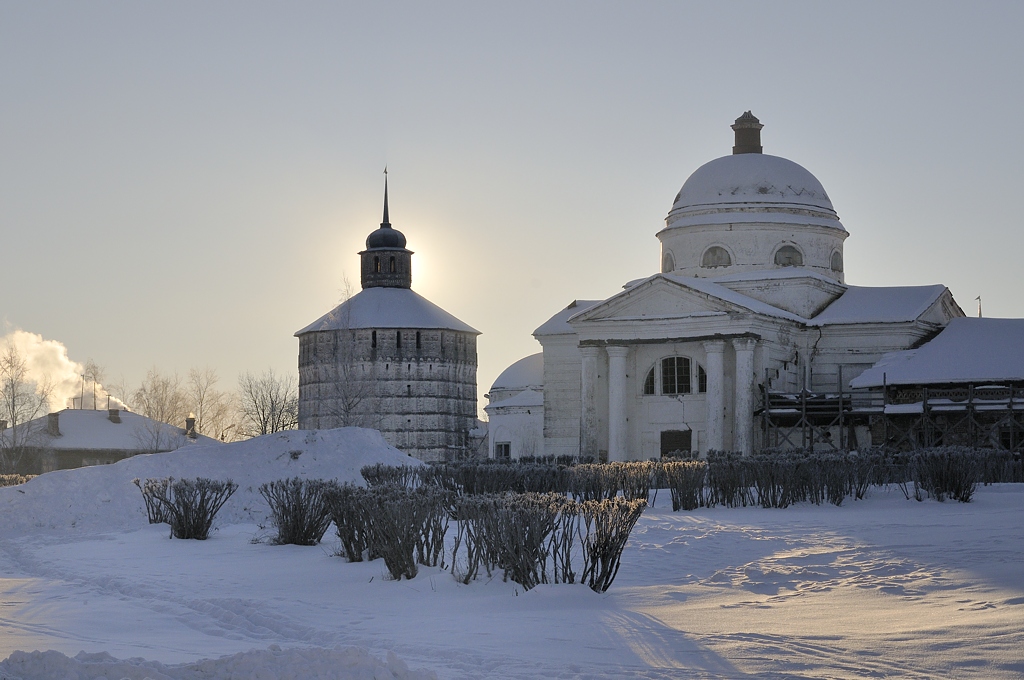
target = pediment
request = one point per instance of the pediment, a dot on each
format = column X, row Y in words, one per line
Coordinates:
column 804, row 296
column 656, row 298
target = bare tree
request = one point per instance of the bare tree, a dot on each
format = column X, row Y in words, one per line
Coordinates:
column 23, row 400
column 215, row 411
column 268, row 403
column 161, row 399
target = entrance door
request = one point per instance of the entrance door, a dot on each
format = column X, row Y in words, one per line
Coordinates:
column 676, row 443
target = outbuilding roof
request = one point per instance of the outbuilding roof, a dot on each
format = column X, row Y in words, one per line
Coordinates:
column 968, row 350
column 527, row 372
column 93, row 430
column 387, row 308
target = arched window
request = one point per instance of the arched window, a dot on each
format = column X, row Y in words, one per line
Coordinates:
column 789, row 256
column 392, row 265
column 702, row 379
column 837, row 261
column 716, row 256
column 376, row 263
column 649, row 382
column 668, row 263
column 675, row 375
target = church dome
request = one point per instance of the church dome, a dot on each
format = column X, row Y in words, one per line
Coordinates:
column 751, row 180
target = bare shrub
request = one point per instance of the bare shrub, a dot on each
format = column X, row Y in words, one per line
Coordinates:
column 685, row 481
column 152, row 490
column 605, row 529
column 380, row 474
column 352, row 522
column 299, row 509
column 950, row 471
column 14, row 480
column 189, row 505
column 728, row 480
column 593, row 482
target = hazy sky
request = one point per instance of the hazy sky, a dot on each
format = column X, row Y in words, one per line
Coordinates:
column 187, row 184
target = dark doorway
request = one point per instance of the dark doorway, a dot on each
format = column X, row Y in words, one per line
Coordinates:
column 676, row 443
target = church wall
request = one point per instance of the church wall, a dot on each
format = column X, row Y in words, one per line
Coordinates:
column 562, row 406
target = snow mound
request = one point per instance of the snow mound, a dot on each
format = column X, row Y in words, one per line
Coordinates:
column 103, row 498
column 276, row 663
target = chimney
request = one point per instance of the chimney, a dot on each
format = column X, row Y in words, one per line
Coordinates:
column 190, row 426
column 748, row 134
column 114, row 415
column 53, row 424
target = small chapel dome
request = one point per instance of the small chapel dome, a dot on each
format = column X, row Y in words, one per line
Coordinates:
column 385, row 237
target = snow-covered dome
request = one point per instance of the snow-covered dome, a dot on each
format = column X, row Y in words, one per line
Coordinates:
column 526, row 373
column 752, row 183
column 751, row 212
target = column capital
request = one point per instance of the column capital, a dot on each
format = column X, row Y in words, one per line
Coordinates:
column 744, row 343
column 617, row 351
column 590, row 351
column 714, row 346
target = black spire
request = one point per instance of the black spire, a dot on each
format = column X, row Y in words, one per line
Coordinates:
column 386, row 224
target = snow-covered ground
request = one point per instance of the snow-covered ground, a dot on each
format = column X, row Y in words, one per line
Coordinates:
column 883, row 587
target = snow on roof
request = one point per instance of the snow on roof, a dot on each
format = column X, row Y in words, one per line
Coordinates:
column 525, row 399
column 968, row 350
column 774, row 275
column 558, row 324
column 387, row 308
column 709, row 287
column 93, row 430
column 884, row 304
column 527, row 372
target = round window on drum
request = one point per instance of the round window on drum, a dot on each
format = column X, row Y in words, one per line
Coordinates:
column 716, row 256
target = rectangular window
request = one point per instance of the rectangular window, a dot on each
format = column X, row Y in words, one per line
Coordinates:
column 398, row 339
column 502, row 450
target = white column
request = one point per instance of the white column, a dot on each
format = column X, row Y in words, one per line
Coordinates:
column 617, row 391
column 715, row 350
column 588, row 401
column 744, row 411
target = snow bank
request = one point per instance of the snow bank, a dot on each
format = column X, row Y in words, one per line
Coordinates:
column 103, row 498
column 276, row 663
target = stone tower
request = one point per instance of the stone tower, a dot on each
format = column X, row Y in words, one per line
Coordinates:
column 389, row 359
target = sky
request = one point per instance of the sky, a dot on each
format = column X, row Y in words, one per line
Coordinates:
column 187, row 184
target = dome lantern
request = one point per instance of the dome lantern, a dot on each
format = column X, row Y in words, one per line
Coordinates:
column 748, row 134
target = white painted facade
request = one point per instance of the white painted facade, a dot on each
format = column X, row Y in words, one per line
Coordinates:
column 751, row 295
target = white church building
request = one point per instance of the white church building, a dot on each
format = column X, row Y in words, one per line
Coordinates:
column 751, row 301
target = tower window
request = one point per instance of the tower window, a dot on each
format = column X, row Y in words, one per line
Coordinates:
column 376, row 264
column 392, row 264
column 398, row 339
column 675, row 375
column 668, row 263
column 716, row 256
column 417, row 339
column 837, row 261
column 373, row 339
column 789, row 256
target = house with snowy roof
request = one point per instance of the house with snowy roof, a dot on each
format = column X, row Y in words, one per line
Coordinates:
column 389, row 359
column 75, row 438
column 748, row 337
column 515, row 410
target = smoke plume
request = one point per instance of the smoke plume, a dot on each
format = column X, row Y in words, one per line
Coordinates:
column 47, row 361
